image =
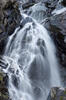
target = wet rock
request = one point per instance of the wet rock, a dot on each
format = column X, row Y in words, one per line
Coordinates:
column 1, row 30
column 3, row 63
column 57, row 27
column 43, row 9
column 57, row 93
column 27, row 5
column 12, row 16
column 41, row 45
column 9, row 19
column 3, row 41
column 15, row 81
column 25, row 2
column 4, row 95
column 4, row 79
column 25, row 21
column 51, row 4
column 38, row 11
column 64, row 2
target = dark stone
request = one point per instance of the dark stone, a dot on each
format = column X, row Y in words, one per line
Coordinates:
column 4, row 94
column 9, row 20
column 3, row 63
column 41, row 45
column 57, row 93
column 57, row 27
column 39, row 11
column 27, row 5
column 3, row 42
column 37, row 92
column 64, row 2
column 25, row 21
column 15, row 81
column 51, row 3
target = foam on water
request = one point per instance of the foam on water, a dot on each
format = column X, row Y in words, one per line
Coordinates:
column 57, row 12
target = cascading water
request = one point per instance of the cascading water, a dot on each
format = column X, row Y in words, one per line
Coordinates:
column 33, row 68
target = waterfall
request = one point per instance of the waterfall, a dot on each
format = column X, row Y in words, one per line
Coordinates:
column 33, row 66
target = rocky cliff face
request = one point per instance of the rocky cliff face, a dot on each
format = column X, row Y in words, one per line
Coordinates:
column 57, row 27
column 9, row 20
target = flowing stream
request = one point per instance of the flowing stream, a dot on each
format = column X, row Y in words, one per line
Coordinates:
column 32, row 63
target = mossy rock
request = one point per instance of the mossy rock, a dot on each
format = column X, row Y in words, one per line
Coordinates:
column 65, row 92
column 61, row 97
column 4, row 94
column 57, row 93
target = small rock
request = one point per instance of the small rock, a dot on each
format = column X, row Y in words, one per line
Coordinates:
column 57, row 93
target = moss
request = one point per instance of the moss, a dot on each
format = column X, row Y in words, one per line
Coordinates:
column 1, row 78
column 5, row 96
column 61, row 97
column 65, row 92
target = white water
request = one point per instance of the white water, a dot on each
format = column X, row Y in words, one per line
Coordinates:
column 57, row 12
column 32, row 62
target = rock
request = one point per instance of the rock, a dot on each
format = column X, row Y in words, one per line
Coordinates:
column 27, row 5
column 3, row 41
column 38, row 11
column 64, row 2
column 57, row 93
column 26, row 20
column 12, row 16
column 29, row 1
column 51, row 4
column 57, row 26
column 42, row 9
column 4, row 95
column 9, row 20
column 15, row 81
column 2, row 28
column 1, row 31
column 41, row 45
column 3, row 63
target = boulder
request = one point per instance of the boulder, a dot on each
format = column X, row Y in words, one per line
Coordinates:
column 57, row 93
column 4, row 94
